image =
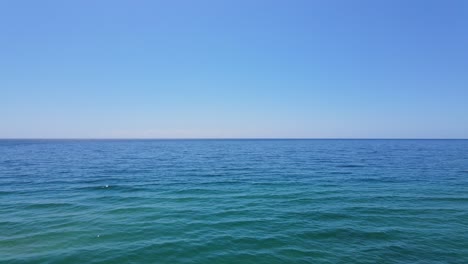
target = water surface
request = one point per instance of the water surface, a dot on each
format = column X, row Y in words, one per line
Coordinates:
column 233, row 201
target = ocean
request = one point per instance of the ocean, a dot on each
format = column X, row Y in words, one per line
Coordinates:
column 234, row 201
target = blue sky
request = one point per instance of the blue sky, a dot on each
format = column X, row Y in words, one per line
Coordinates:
column 171, row 69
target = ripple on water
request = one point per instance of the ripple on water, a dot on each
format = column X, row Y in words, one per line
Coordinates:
column 277, row 201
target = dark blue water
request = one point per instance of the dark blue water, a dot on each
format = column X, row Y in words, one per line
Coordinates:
column 234, row 201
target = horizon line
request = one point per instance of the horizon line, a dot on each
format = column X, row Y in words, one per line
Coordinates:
column 237, row 138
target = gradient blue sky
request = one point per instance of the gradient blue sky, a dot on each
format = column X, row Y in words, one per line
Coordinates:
column 151, row 69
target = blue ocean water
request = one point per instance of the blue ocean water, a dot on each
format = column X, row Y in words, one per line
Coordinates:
column 234, row 201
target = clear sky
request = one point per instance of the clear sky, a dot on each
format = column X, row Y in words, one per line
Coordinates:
column 234, row 68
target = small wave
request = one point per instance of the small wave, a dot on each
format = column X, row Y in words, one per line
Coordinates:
column 346, row 233
column 377, row 179
column 351, row 166
column 50, row 205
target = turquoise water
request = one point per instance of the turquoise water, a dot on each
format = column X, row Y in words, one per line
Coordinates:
column 234, row 201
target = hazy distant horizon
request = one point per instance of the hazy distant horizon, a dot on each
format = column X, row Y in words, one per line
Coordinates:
column 232, row 138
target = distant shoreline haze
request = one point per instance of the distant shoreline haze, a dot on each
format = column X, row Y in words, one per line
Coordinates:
column 130, row 139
